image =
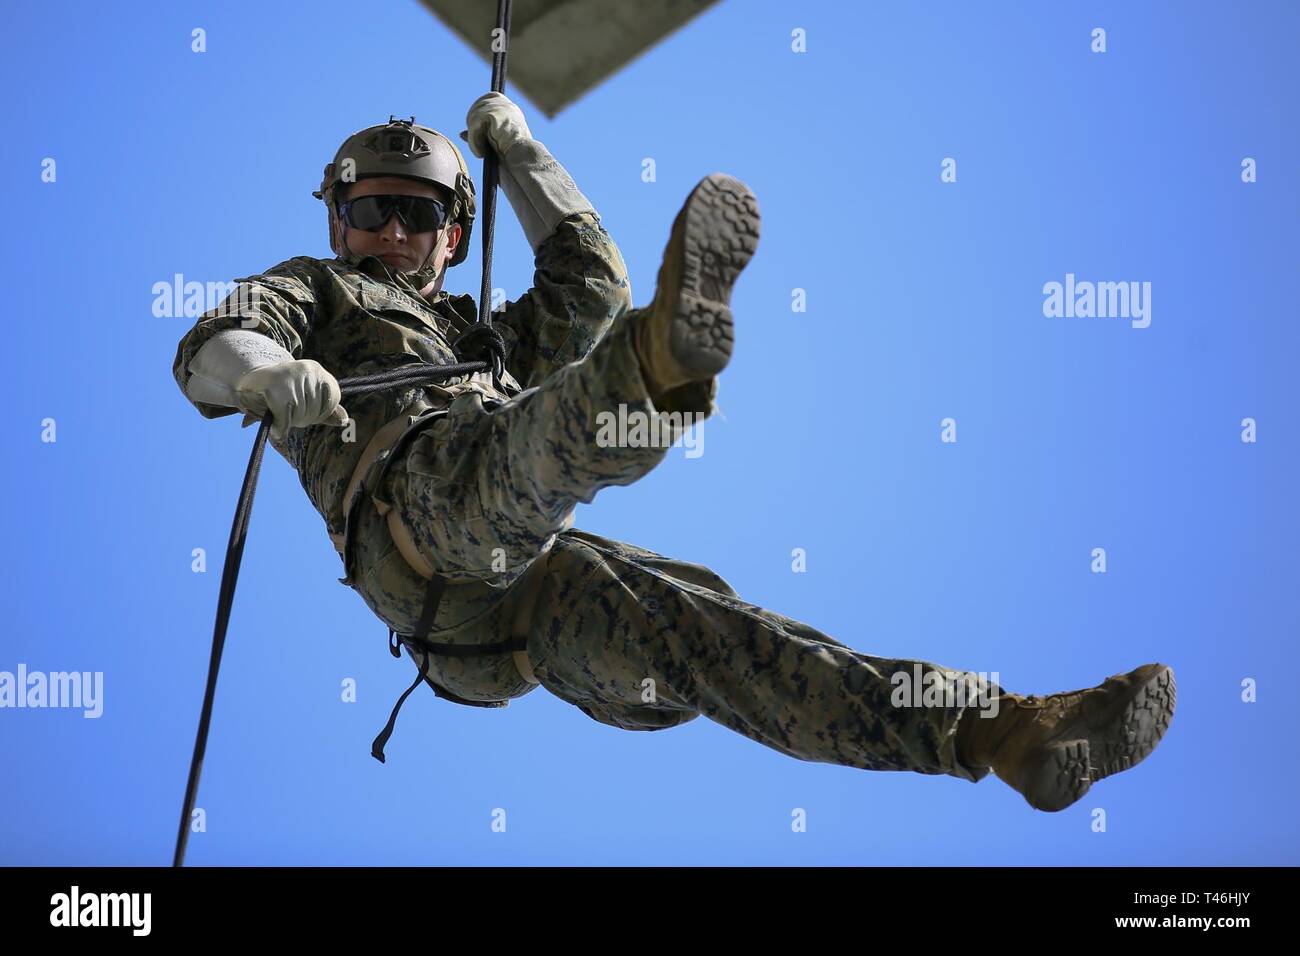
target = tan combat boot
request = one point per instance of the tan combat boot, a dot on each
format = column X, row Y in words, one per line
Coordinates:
column 1052, row 749
column 686, row 334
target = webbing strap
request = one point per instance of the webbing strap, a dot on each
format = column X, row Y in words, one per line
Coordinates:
column 432, row 598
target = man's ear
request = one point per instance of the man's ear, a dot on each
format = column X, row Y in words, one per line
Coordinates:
column 453, row 238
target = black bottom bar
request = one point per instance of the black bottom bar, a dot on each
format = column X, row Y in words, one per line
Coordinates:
column 646, row 907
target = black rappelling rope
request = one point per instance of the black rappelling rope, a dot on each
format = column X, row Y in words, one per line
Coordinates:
column 482, row 331
column 479, row 339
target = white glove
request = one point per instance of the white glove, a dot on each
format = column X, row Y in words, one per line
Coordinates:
column 297, row 393
column 300, row 393
column 495, row 121
column 222, row 359
column 540, row 190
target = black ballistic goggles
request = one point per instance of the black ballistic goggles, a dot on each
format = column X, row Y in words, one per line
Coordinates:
column 417, row 213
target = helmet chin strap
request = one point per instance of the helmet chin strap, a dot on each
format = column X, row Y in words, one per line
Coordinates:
column 424, row 275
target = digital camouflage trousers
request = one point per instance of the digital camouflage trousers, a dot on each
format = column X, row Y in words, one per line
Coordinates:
column 634, row 639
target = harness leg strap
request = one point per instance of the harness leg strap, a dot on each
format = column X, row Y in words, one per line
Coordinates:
column 432, row 598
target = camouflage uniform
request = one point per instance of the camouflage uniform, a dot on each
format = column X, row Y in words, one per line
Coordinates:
column 487, row 481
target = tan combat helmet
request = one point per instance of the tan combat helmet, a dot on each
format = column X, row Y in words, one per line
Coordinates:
column 401, row 148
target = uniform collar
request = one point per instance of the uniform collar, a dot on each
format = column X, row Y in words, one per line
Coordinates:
column 378, row 269
column 464, row 306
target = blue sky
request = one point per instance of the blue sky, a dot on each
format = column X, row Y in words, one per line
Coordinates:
column 924, row 302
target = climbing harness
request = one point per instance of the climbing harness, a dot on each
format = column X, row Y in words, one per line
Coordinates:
column 480, row 348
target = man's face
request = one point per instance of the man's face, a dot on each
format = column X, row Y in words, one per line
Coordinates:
column 400, row 249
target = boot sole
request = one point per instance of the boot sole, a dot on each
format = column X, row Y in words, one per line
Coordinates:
column 1145, row 720
column 719, row 238
column 1068, row 768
